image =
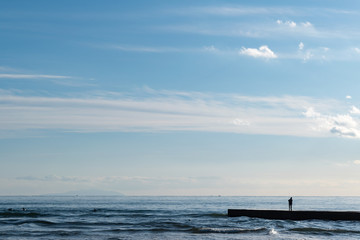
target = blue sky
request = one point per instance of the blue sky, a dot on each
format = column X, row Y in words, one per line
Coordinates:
column 180, row 97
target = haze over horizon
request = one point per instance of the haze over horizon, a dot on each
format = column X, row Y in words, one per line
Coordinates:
column 250, row 98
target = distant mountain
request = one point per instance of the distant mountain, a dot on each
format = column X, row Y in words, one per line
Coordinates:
column 89, row 192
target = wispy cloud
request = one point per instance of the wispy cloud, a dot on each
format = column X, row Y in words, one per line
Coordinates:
column 181, row 111
column 199, row 185
column 31, row 76
column 230, row 11
column 6, row 69
column 12, row 73
column 211, row 48
column 303, row 29
column 243, row 10
column 304, row 53
column 319, row 53
column 142, row 48
column 258, row 30
column 132, row 185
column 168, row 49
column 161, row 49
column 356, row 50
column 261, row 52
column 293, row 24
column 145, row 49
column 232, row 23
column 347, row 164
column 112, row 179
column 53, row 178
column 55, row 79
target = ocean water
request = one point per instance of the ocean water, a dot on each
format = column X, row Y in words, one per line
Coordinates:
column 78, row 217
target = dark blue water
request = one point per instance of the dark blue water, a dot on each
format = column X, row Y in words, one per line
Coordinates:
column 167, row 218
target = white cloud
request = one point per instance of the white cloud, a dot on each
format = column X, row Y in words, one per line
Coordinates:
column 345, row 120
column 357, row 162
column 354, row 110
column 263, row 52
column 301, row 46
column 290, row 24
column 348, row 97
column 342, row 125
column 310, row 112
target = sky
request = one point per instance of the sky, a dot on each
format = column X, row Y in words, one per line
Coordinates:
column 248, row 98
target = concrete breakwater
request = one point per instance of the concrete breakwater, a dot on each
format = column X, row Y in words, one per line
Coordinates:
column 295, row 215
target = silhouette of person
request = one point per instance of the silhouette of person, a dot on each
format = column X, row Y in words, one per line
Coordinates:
column 290, row 204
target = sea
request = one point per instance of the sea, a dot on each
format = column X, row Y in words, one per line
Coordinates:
column 143, row 217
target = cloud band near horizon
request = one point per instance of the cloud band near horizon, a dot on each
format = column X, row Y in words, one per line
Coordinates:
column 159, row 111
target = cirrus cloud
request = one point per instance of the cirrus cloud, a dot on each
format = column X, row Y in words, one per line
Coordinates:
column 31, row 76
column 166, row 110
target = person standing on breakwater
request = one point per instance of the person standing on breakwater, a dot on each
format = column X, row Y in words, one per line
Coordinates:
column 290, row 204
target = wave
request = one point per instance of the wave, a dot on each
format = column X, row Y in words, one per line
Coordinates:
column 63, row 233
column 211, row 215
column 36, row 222
column 195, row 230
column 108, row 213
column 100, row 212
column 228, row 230
column 323, row 231
column 17, row 214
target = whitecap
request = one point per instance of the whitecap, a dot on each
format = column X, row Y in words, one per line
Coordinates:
column 273, row 232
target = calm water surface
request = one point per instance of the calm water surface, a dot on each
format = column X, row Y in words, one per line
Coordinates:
column 167, row 218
